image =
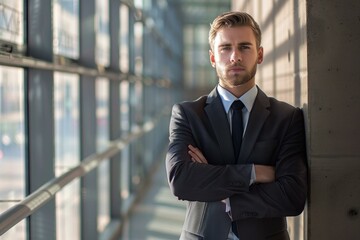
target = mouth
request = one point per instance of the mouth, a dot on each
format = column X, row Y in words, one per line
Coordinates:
column 236, row 69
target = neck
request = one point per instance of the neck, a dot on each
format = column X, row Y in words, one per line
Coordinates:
column 238, row 90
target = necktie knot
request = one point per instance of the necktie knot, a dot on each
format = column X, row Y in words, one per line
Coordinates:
column 237, row 105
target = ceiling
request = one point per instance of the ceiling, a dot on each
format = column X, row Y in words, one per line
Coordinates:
column 202, row 11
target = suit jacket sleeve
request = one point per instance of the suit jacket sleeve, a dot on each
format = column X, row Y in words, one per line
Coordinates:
column 194, row 181
column 287, row 195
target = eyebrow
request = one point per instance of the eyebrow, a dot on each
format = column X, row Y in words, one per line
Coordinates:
column 245, row 43
column 225, row 45
column 239, row 44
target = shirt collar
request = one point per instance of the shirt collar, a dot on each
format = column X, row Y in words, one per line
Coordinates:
column 227, row 98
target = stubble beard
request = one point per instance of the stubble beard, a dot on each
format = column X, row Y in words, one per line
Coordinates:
column 235, row 80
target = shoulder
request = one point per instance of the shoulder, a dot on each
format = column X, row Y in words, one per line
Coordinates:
column 285, row 111
column 188, row 109
column 191, row 105
column 284, row 106
column 277, row 107
column 200, row 102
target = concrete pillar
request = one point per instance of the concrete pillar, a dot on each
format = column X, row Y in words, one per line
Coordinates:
column 333, row 36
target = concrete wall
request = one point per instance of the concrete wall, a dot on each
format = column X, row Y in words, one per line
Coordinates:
column 334, row 112
column 311, row 51
column 283, row 74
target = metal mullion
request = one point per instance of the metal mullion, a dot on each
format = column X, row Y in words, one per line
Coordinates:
column 27, row 62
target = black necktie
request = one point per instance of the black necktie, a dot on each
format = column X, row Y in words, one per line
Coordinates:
column 237, row 126
column 237, row 129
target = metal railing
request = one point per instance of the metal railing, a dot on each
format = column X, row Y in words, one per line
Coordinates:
column 46, row 192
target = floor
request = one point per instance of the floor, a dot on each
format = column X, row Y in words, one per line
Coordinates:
column 159, row 216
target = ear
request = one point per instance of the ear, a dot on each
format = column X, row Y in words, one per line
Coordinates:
column 212, row 58
column 260, row 55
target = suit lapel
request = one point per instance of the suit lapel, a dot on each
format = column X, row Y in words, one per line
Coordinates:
column 257, row 118
column 220, row 125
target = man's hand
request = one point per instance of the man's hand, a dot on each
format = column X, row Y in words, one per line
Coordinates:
column 264, row 174
column 196, row 155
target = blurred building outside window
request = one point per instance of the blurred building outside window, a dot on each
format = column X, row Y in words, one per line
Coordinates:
column 12, row 21
column 65, row 38
column 12, row 145
column 102, row 142
column 67, row 153
column 102, row 51
column 124, row 38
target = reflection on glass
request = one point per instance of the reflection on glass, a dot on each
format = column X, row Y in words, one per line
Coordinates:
column 125, row 128
column 136, row 167
column 102, row 51
column 124, row 38
column 102, row 141
column 12, row 145
column 66, row 39
column 67, row 152
column 137, row 105
column 138, row 4
column 12, row 21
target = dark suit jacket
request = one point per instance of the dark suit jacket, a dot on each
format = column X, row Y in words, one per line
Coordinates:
column 274, row 136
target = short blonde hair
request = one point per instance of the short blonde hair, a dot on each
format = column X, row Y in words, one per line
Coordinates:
column 234, row 19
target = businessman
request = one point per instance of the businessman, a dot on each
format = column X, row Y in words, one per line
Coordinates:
column 237, row 156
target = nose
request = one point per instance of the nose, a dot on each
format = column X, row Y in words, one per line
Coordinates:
column 236, row 56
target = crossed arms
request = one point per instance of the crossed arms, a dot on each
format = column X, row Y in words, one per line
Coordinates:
column 280, row 188
column 263, row 173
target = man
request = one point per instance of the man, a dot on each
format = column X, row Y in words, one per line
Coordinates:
column 237, row 187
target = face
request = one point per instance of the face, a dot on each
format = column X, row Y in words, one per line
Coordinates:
column 235, row 57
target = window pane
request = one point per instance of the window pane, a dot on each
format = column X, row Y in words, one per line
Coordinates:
column 66, row 39
column 67, row 152
column 138, row 31
column 124, row 38
column 125, row 128
column 12, row 21
column 12, row 145
column 102, row 33
column 102, row 119
column 124, row 105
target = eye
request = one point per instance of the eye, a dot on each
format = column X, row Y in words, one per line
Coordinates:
column 225, row 48
column 244, row 47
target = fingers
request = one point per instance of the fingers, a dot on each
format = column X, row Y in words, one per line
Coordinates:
column 196, row 155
